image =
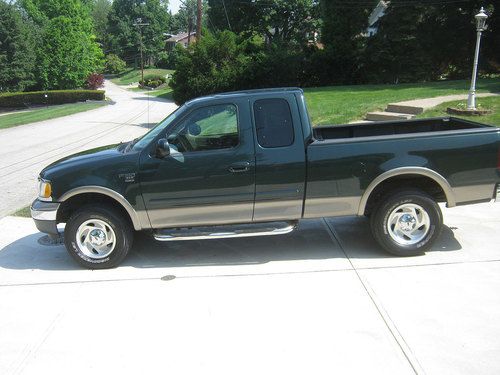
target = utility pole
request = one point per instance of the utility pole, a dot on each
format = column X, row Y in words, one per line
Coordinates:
column 138, row 23
column 198, row 22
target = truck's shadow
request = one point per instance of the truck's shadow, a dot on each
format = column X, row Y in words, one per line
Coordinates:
column 312, row 241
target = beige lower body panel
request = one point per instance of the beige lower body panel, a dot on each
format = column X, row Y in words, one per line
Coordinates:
column 333, row 206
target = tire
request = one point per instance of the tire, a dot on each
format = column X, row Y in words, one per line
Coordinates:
column 407, row 222
column 98, row 237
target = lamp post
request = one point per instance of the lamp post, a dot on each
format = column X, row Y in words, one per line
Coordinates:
column 480, row 27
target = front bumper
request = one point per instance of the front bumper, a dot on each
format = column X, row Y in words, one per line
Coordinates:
column 45, row 216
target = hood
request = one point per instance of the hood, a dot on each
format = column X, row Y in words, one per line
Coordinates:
column 81, row 159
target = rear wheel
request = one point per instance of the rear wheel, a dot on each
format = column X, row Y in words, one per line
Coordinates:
column 407, row 222
column 98, row 237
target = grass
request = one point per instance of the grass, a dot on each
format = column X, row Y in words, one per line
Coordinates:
column 341, row 104
column 164, row 93
column 23, row 212
column 45, row 113
column 134, row 75
column 491, row 102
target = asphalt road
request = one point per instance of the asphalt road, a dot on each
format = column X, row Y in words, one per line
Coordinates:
column 324, row 299
column 25, row 150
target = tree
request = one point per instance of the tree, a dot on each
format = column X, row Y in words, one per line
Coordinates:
column 343, row 32
column 17, row 51
column 282, row 22
column 427, row 41
column 68, row 52
column 125, row 37
column 186, row 18
column 99, row 10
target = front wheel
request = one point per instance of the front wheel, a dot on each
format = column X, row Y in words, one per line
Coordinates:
column 407, row 223
column 98, row 237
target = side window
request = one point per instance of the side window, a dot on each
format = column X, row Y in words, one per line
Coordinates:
column 208, row 128
column 273, row 122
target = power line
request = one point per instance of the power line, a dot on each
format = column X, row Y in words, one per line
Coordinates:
column 227, row 17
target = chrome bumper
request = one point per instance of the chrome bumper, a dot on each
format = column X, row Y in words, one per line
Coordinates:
column 44, row 215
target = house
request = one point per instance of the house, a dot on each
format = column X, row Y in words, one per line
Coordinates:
column 373, row 20
column 181, row 38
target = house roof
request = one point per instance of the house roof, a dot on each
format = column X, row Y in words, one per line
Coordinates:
column 377, row 12
column 175, row 38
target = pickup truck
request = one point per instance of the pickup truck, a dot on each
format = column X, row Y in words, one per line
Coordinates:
column 249, row 163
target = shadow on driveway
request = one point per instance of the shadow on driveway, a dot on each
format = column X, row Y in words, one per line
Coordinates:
column 311, row 241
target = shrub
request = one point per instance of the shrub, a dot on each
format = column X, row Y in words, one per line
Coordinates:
column 216, row 63
column 114, row 65
column 168, row 60
column 95, row 81
column 153, row 81
column 25, row 99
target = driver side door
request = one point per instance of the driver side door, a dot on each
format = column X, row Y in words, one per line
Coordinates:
column 209, row 176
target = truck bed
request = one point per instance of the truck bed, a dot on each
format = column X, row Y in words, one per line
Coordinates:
column 428, row 125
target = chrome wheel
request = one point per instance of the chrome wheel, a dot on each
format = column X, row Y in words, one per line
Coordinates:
column 95, row 239
column 408, row 224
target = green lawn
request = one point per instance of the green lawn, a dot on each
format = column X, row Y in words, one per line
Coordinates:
column 492, row 102
column 23, row 212
column 341, row 104
column 132, row 76
column 45, row 113
column 164, row 93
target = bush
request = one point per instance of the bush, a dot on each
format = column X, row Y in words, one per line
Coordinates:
column 95, row 81
column 114, row 65
column 25, row 99
column 168, row 60
column 153, row 81
column 216, row 63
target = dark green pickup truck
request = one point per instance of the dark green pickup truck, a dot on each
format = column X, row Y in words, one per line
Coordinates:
column 249, row 163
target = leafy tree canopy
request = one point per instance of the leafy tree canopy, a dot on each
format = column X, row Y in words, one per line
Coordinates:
column 125, row 37
column 68, row 52
column 283, row 22
column 17, row 51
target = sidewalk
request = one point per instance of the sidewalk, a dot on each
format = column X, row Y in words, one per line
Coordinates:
column 408, row 109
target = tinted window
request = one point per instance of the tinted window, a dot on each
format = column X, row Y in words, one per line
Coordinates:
column 273, row 122
column 208, row 128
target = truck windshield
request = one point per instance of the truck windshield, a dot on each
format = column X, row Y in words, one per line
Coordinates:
column 149, row 136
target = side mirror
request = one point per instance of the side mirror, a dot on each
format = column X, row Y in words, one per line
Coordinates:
column 162, row 148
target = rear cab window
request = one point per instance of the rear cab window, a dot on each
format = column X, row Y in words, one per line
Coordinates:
column 273, row 123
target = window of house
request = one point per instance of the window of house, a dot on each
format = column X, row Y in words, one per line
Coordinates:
column 273, row 121
column 208, row 128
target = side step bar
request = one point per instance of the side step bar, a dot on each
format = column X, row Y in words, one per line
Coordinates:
column 225, row 231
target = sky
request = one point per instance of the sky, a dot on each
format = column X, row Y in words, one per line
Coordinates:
column 173, row 5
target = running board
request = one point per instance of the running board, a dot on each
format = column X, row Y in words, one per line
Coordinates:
column 224, row 231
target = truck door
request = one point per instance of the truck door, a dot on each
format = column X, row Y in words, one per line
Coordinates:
column 209, row 177
column 280, row 158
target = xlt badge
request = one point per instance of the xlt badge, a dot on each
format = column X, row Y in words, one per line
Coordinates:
column 127, row 177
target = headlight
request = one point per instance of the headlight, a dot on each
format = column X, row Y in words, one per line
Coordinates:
column 44, row 189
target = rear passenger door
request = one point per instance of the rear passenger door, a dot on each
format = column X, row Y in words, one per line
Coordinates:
column 280, row 158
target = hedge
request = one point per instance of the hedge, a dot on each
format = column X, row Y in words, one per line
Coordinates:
column 26, row 99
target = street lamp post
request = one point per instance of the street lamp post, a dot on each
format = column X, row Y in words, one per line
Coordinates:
column 480, row 27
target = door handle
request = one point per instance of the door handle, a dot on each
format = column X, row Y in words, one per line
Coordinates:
column 239, row 167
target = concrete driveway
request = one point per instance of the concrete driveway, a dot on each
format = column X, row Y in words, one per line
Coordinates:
column 322, row 300
column 25, row 150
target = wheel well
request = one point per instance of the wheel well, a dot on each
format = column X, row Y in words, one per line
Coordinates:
column 72, row 204
column 410, row 181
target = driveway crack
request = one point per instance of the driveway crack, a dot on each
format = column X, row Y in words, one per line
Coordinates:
column 389, row 323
